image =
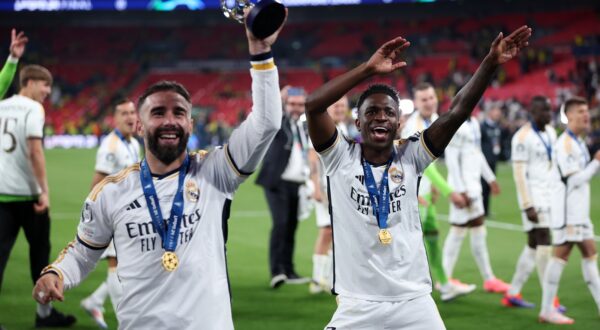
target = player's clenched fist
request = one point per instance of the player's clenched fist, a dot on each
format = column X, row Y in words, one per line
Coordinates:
column 49, row 287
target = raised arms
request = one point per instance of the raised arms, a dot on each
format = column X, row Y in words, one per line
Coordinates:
column 17, row 48
column 385, row 60
column 502, row 50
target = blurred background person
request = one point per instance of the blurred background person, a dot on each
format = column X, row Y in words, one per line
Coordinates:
column 285, row 168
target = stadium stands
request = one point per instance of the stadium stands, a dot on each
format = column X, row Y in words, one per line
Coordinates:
column 95, row 63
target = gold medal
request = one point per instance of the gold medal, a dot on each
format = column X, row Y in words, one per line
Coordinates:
column 385, row 237
column 170, row 261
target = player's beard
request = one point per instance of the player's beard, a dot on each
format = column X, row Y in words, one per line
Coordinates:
column 168, row 154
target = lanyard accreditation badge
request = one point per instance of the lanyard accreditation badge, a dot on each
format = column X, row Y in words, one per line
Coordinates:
column 168, row 232
column 380, row 198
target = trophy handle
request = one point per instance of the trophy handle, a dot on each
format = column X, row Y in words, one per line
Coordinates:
column 265, row 18
column 236, row 12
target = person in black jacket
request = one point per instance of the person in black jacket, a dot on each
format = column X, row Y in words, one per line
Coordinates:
column 491, row 146
column 285, row 169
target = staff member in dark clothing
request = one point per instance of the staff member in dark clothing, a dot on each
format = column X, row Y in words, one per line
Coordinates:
column 285, row 169
column 491, row 146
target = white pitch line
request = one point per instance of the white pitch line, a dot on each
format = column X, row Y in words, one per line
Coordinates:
column 501, row 225
column 263, row 213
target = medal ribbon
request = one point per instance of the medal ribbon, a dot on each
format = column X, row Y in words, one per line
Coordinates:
column 127, row 145
column 380, row 198
column 547, row 145
column 168, row 233
column 583, row 148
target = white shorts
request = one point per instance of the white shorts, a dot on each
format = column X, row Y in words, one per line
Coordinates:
column 466, row 214
column 322, row 214
column 416, row 314
column 543, row 214
column 110, row 251
column 573, row 233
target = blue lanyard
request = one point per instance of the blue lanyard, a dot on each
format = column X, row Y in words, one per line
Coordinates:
column 171, row 232
column 581, row 146
column 380, row 198
column 547, row 145
column 427, row 123
column 296, row 132
column 127, row 144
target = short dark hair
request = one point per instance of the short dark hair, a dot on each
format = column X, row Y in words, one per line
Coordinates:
column 120, row 99
column 538, row 99
column 164, row 86
column 378, row 89
column 34, row 72
column 573, row 101
column 422, row 86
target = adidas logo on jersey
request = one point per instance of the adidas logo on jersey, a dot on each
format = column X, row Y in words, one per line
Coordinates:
column 134, row 205
column 360, row 178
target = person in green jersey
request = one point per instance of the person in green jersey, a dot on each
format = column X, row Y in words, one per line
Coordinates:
column 17, row 48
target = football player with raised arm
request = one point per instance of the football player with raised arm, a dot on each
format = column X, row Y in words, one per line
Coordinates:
column 17, row 48
column 381, row 272
column 171, row 246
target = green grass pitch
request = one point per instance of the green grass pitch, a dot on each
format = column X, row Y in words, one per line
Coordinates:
column 255, row 306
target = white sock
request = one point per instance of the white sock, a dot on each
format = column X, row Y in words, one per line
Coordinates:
column 480, row 252
column 114, row 288
column 591, row 277
column 543, row 253
column 454, row 240
column 319, row 264
column 551, row 280
column 99, row 296
column 44, row 310
column 525, row 266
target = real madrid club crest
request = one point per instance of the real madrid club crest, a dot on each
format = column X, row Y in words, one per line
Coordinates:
column 396, row 175
column 191, row 191
column 86, row 214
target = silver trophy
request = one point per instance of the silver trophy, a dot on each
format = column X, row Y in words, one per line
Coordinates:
column 264, row 19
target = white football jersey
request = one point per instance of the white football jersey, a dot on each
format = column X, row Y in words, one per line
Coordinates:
column 20, row 118
column 529, row 149
column 572, row 172
column 363, row 267
column 416, row 123
column 195, row 295
column 465, row 161
column 115, row 154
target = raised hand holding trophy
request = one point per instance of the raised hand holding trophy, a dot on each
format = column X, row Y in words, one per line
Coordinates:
column 265, row 17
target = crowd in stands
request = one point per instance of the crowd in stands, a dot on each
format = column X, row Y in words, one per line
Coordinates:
column 96, row 64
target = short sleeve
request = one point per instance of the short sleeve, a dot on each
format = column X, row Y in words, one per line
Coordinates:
column 106, row 161
column 519, row 149
column 34, row 123
column 95, row 230
column 417, row 149
column 334, row 152
column 567, row 159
